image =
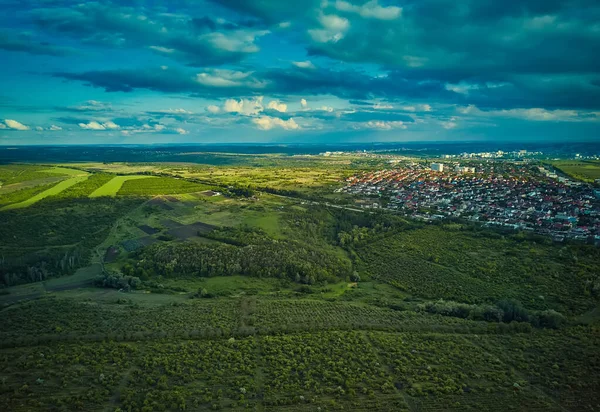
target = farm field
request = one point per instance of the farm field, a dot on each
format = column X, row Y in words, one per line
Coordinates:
column 53, row 191
column 587, row 171
column 159, row 186
column 112, row 187
column 220, row 287
column 14, row 174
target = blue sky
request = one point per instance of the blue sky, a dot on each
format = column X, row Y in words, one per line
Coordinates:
column 315, row 71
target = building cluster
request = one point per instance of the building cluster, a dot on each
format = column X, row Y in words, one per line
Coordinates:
column 515, row 195
column 499, row 154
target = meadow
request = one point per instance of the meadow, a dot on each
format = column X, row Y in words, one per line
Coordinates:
column 187, row 286
column 588, row 171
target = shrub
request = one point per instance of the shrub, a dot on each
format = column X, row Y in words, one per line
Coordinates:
column 513, row 310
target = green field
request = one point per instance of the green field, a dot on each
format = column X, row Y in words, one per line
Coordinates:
column 23, row 193
column 13, row 174
column 53, row 191
column 112, row 187
column 160, row 186
column 587, row 171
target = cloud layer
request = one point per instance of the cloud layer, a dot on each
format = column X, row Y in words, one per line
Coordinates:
column 370, row 68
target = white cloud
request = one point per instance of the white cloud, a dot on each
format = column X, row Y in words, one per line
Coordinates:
column 305, row 64
column 370, row 10
column 381, row 125
column 450, row 124
column 465, row 88
column 110, row 125
column 382, row 106
column 417, row 108
column 303, row 103
column 54, row 128
column 328, row 109
column 244, row 106
column 275, row 105
column 157, row 128
column 534, row 114
column 333, row 29
column 176, row 111
column 268, row 123
column 91, row 106
column 285, row 24
column 213, row 109
column 3, row 126
column 538, row 114
column 228, row 78
column 39, row 128
column 94, row 125
column 240, row 41
column 162, row 49
column 13, row 124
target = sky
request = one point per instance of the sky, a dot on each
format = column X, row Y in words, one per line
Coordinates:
column 310, row 71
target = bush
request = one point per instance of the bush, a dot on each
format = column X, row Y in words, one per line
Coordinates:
column 550, row 319
column 116, row 280
column 513, row 310
column 488, row 313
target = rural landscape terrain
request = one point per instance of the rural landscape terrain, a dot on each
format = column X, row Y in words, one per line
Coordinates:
column 277, row 282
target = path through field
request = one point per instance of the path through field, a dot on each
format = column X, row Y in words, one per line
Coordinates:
column 112, row 187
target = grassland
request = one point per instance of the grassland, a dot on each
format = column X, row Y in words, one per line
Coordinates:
column 13, row 174
column 588, row 171
column 112, row 187
column 53, row 191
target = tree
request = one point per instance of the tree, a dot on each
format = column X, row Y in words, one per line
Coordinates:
column 513, row 310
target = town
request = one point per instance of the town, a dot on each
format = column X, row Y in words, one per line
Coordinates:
column 524, row 196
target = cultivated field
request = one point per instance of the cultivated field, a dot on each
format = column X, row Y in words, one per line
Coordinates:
column 53, row 191
column 586, row 170
column 112, row 187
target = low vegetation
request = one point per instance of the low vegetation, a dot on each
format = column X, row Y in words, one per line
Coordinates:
column 137, row 292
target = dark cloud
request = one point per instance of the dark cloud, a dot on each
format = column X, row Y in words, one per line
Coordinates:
column 195, row 41
column 271, row 11
column 170, row 81
column 345, row 84
column 387, row 116
column 450, row 40
column 27, row 44
column 527, row 91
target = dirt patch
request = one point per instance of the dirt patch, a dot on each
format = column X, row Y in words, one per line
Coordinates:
column 172, row 199
column 112, row 253
column 149, row 230
column 187, row 231
column 206, row 193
